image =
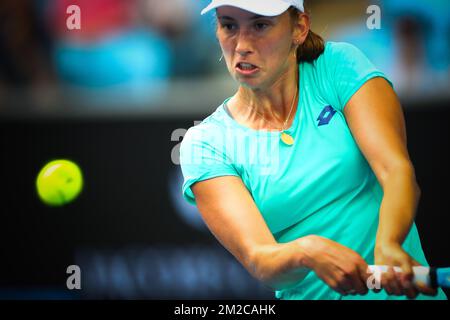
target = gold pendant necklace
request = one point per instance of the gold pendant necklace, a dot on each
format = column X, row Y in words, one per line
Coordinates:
column 286, row 138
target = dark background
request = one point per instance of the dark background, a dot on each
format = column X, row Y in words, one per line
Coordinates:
column 126, row 207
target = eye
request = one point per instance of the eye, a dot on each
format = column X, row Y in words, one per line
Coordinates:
column 229, row 26
column 260, row 26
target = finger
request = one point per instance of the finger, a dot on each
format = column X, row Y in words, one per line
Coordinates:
column 407, row 271
column 346, row 286
column 339, row 290
column 405, row 280
column 407, row 286
column 389, row 282
column 411, row 293
column 334, row 285
column 364, row 279
column 377, row 290
column 356, row 282
column 359, row 281
column 421, row 287
column 365, row 274
column 358, row 286
column 424, row 289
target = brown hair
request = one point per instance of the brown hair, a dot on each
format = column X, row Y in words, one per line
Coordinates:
column 314, row 44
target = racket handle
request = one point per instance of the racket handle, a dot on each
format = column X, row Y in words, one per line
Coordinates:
column 422, row 275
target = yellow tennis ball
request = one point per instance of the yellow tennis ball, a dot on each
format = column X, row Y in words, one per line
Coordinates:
column 59, row 182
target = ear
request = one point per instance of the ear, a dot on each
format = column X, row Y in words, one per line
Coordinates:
column 301, row 28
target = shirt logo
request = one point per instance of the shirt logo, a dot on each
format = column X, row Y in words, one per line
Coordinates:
column 326, row 115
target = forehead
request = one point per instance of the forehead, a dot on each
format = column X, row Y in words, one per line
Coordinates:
column 229, row 12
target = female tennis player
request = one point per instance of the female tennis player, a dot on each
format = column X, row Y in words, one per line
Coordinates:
column 303, row 174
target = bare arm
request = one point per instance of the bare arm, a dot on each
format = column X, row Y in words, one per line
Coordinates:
column 232, row 216
column 375, row 118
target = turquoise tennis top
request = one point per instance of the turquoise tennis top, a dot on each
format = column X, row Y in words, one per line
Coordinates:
column 321, row 185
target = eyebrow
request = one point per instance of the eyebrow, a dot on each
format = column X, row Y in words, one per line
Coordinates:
column 255, row 17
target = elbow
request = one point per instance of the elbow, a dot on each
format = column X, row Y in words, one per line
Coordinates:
column 259, row 265
column 403, row 170
column 267, row 277
column 277, row 266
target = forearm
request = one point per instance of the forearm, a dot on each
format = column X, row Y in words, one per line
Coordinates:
column 279, row 266
column 398, row 207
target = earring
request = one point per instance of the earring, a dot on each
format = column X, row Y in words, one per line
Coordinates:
column 221, row 58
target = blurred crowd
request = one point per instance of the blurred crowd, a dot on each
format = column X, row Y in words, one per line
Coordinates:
column 412, row 47
column 131, row 50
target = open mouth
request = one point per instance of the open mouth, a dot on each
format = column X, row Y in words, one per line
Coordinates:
column 246, row 66
column 246, row 69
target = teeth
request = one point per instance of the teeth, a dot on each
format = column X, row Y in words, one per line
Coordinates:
column 246, row 66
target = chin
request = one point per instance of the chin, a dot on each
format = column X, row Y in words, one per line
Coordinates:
column 251, row 83
column 249, row 86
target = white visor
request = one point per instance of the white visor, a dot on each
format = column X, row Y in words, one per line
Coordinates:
column 267, row 8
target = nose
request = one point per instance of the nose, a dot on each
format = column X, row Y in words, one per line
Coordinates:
column 244, row 44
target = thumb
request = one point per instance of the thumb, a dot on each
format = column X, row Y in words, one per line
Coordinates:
column 407, row 265
column 407, row 270
column 413, row 263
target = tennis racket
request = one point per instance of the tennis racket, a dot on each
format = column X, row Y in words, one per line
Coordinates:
column 432, row 277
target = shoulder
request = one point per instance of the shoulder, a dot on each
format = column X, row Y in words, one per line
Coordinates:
column 336, row 52
column 205, row 144
column 336, row 56
column 207, row 131
column 332, row 47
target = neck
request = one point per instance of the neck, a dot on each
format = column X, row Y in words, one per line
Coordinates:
column 273, row 102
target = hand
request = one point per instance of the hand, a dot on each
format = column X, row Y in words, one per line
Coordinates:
column 341, row 268
column 392, row 254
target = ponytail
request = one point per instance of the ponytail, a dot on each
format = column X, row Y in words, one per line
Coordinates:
column 311, row 49
column 314, row 44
